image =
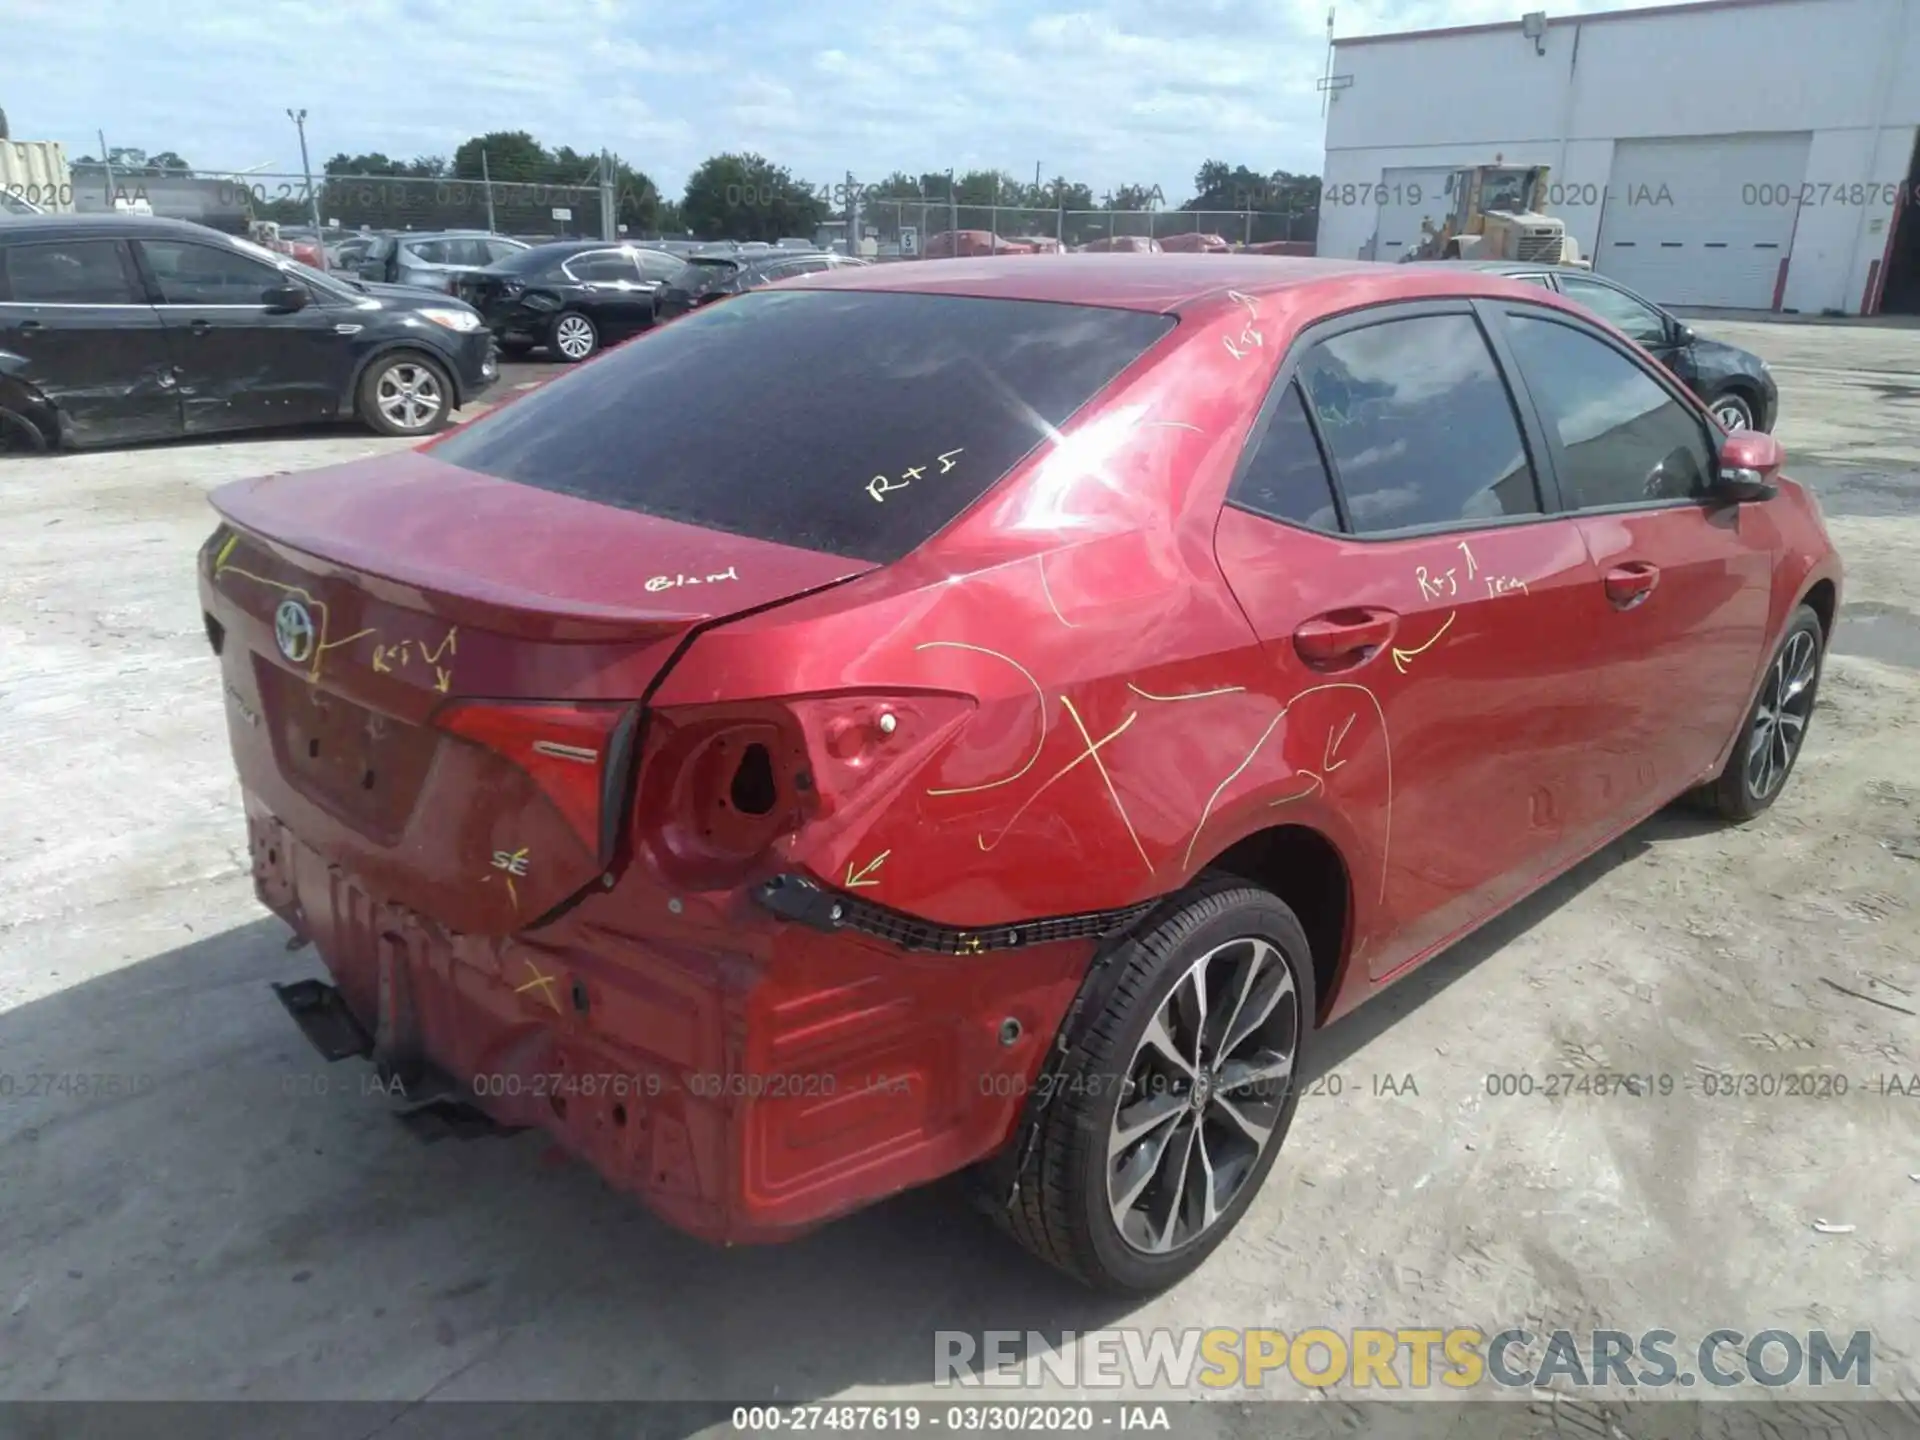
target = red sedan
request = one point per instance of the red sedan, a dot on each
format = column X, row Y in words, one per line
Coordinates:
column 1005, row 743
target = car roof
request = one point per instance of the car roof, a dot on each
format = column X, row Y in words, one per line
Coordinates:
column 120, row 222
column 1171, row 283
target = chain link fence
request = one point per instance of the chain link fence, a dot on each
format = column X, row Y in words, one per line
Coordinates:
column 350, row 202
column 907, row 228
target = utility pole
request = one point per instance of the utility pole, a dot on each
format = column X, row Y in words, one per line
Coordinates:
column 953, row 214
column 299, row 118
column 609, row 222
column 106, row 159
column 486, row 184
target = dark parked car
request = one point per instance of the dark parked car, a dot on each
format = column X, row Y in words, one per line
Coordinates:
column 707, row 278
column 1735, row 384
column 572, row 297
column 116, row 328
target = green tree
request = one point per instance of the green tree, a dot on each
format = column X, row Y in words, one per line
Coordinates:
column 748, row 197
column 1133, row 197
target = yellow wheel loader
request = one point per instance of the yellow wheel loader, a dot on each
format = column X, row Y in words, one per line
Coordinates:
column 1497, row 215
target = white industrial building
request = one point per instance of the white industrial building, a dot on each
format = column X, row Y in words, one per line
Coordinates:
column 1755, row 154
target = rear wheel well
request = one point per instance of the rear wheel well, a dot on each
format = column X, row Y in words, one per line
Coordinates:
column 1303, row 868
column 1821, row 598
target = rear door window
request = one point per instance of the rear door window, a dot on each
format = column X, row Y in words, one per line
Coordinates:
column 658, row 265
column 67, row 272
column 858, row 423
column 1285, row 478
column 603, row 266
column 1419, row 424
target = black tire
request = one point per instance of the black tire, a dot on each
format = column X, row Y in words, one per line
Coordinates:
column 1730, row 405
column 561, row 338
column 20, row 436
column 424, row 379
column 1049, row 1187
column 1738, row 794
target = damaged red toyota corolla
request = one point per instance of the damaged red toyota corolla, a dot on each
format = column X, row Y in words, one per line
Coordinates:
column 978, row 717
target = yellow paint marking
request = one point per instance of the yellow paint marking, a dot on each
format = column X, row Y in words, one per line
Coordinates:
column 442, row 679
column 1048, row 783
column 1039, row 695
column 357, row 635
column 1106, row 779
column 320, row 640
column 1401, row 657
column 225, row 550
column 449, row 645
column 1314, row 782
column 860, row 881
column 544, row 983
column 1196, row 695
column 1327, row 762
column 1045, row 589
column 1386, row 839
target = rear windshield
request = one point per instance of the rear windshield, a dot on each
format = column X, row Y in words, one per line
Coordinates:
column 858, row 423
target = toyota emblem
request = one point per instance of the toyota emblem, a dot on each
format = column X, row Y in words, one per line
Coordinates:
column 293, row 631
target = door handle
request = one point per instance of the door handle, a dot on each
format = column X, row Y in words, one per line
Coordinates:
column 1342, row 638
column 200, row 327
column 1631, row 583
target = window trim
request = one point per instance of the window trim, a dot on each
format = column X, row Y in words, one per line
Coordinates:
column 1712, row 434
column 1526, row 421
column 129, row 273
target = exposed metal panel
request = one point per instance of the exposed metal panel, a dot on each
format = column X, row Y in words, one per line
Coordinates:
column 1703, row 221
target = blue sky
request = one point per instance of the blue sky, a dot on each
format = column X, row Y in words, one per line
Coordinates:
column 1104, row 91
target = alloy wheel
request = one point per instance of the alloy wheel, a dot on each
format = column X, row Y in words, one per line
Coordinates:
column 410, row 396
column 574, row 336
column 1731, row 412
column 1203, row 1094
column 1780, row 722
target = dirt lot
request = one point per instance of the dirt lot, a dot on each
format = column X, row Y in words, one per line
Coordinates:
column 222, row 1235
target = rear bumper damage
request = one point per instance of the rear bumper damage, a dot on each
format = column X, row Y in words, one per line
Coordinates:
column 747, row 1076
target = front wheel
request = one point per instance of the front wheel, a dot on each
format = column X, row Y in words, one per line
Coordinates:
column 405, row 395
column 574, row 337
column 1179, row 1080
column 1732, row 411
column 1776, row 727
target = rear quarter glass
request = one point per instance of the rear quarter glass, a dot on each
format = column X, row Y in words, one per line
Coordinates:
column 858, row 423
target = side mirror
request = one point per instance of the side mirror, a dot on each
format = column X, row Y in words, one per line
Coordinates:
column 1682, row 334
column 285, row 299
column 1750, row 461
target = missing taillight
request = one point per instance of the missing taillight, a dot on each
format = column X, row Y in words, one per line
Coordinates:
column 753, row 791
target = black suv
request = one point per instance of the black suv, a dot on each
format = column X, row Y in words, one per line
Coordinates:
column 119, row 328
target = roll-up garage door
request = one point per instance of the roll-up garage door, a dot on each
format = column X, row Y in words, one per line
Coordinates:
column 1704, row 220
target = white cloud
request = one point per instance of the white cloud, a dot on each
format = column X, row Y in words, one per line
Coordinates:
column 1103, row 91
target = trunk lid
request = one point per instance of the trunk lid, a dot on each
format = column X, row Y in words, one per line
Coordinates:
column 434, row 675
